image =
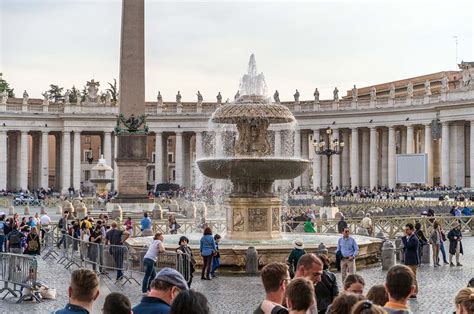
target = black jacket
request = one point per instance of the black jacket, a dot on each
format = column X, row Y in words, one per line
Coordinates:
column 410, row 250
column 326, row 290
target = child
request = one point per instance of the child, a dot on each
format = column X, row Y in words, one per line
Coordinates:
column 216, row 258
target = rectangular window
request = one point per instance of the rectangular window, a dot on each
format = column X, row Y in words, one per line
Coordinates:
column 87, row 175
column 170, row 157
column 87, row 139
column 170, row 142
column 87, row 155
column 152, row 158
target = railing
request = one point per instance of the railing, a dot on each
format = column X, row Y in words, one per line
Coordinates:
column 403, row 201
column 186, row 227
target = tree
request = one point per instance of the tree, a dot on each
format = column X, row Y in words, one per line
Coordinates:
column 113, row 90
column 84, row 94
column 55, row 92
column 74, row 94
column 4, row 86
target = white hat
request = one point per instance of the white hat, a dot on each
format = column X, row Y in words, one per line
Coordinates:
column 298, row 244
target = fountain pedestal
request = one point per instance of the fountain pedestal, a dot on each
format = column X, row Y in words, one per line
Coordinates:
column 250, row 218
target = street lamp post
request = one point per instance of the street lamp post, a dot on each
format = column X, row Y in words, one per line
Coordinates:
column 329, row 148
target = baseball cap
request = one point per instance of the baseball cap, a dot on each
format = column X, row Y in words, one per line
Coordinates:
column 172, row 277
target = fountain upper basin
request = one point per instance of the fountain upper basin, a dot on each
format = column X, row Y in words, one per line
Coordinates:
column 253, row 168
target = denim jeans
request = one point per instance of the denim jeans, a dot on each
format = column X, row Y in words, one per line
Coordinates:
column 441, row 247
column 216, row 261
column 150, row 274
column 2, row 239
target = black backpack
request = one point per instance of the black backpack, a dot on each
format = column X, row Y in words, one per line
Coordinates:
column 15, row 239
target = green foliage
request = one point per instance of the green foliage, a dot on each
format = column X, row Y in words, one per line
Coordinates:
column 113, row 90
column 84, row 94
column 75, row 93
column 55, row 92
column 4, row 86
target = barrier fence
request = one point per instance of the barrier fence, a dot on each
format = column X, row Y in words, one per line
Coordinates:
column 19, row 273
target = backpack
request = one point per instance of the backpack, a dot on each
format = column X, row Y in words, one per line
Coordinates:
column 15, row 239
column 33, row 244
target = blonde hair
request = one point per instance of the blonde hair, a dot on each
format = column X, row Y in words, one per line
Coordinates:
column 465, row 298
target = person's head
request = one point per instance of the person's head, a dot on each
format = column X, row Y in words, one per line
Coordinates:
column 309, row 266
column 471, row 283
column 84, row 287
column 465, row 301
column 117, row 303
column 66, row 213
column 399, row 283
column 344, row 303
column 345, row 232
column 299, row 294
column 325, row 259
column 217, row 238
column 409, row 229
column 435, row 225
column 354, row 283
column 367, row 307
column 190, row 302
column 275, row 278
column 377, row 295
column 114, row 225
column 167, row 284
column 456, row 225
column 145, row 214
column 158, row 236
column 183, row 241
column 417, row 226
column 208, row 231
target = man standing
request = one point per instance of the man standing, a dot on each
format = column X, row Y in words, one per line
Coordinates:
column 348, row 248
column 341, row 225
column 310, row 267
column 410, row 251
column 14, row 240
column 62, row 225
column 399, row 285
column 45, row 221
column 366, row 223
column 117, row 250
column 455, row 244
column 275, row 278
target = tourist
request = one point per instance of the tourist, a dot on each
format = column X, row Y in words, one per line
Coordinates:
column 117, row 303
column 190, row 302
column 311, row 267
column 33, row 246
column 441, row 245
column 163, row 289
column 207, row 247
column 367, row 307
column 95, row 240
column 44, row 221
column 308, row 226
column 344, row 303
column 129, row 225
column 354, row 283
column 145, row 223
column 464, row 301
column 400, row 285
column 2, row 230
column 14, row 239
column 295, row 254
column 349, row 249
column 326, row 290
column 216, row 259
column 173, row 225
column 63, row 226
column 275, row 278
column 455, row 244
column 421, row 238
column 7, row 227
column 378, row 295
column 83, row 291
column 185, row 249
column 116, row 238
column 410, row 252
column 150, row 259
column 366, row 223
column 435, row 240
column 299, row 295
column 341, row 225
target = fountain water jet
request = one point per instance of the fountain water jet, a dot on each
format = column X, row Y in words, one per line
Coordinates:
column 254, row 211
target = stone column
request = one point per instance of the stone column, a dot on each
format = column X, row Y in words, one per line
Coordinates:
column 297, row 153
column 34, row 181
column 410, row 136
column 116, row 169
column 429, row 154
column 457, row 169
column 384, row 160
column 66, row 162
column 179, row 158
column 108, row 148
column 44, row 167
column 471, row 160
column 403, row 140
column 316, row 164
column 199, row 154
column 12, row 156
column 445, row 154
column 305, row 155
column 18, row 161
column 345, row 174
column 373, row 157
column 158, row 158
column 76, row 162
column 3, row 160
column 355, row 181
column 336, row 164
column 365, row 159
column 391, row 157
column 24, row 160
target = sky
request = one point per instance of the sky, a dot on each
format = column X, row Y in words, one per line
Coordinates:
column 205, row 46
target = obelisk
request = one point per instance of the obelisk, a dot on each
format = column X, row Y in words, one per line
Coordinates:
column 131, row 151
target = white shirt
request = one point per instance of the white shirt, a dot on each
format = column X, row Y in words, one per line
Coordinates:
column 45, row 220
column 366, row 222
column 153, row 250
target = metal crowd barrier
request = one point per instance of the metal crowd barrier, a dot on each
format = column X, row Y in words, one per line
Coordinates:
column 47, row 250
column 19, row 270
column 179, row 261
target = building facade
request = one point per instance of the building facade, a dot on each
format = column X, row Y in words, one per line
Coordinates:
column 46, row 144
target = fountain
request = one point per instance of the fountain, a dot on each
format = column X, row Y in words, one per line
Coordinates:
column 101, row 176
column 254, row 210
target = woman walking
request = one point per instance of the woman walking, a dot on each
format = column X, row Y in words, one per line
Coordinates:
column 208, row 249
column 455, row 244
column 435, row 240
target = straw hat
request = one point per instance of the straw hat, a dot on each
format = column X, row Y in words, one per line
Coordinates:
column 298, row 244
column 455, row 225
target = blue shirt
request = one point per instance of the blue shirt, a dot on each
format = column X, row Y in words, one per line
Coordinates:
column 347, row 247
column 151, row 305
column 207, row 245
column 71, row 309
column 146, row 223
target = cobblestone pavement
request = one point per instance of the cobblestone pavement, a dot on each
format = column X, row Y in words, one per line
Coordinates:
column 241, row 294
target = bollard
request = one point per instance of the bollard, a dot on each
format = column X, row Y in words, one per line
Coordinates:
column 388, row 255
column 251, row 266
column 380, row 236
column 402, row 253
column 331, row 230
column 116, row 213
column 11, row 210
column 398, row 242
column 322, row 249
column 157, row 212
column 26, row 210
column 426, row 257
